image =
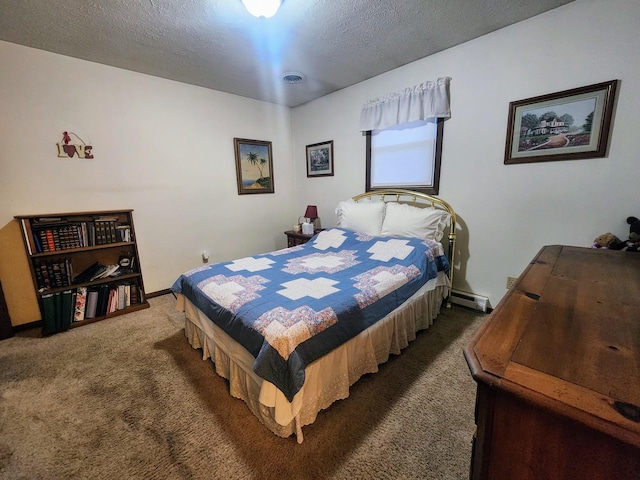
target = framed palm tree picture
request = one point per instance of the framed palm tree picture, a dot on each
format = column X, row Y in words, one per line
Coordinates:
column 254, row 166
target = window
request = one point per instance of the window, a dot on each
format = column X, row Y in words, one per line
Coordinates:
column 405, row 156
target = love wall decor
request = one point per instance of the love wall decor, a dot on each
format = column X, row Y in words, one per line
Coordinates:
column 67, row 149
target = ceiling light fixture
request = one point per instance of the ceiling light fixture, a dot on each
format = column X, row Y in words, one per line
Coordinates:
column 262, row 8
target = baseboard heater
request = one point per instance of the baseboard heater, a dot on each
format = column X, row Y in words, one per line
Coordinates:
column 470, row 300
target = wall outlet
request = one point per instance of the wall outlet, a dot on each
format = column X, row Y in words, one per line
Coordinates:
column 511, row 281
column 205, row 257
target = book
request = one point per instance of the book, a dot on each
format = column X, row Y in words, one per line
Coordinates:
column 99, row 273
column 50, row 273
column 122, row 299
column 56, row 239
column 92, row 303
column 103, row 300
column 38, row 243
column 106, row 271
column 112, row 232
column 57, row 274
column 113, row 300
column 44, row 241
column 48, row 220
column 44, row 272
column 81, row 304
column 77, row 239
column 114, row 271
column 60, row 237
column 50, row 240
column 100, row 232
column 87, row 274
column 57, row 301
column 84, row 235
column 105, row 229
column 69, row 270
column 108, row 298
column 91, row 234
column 134, row 294
column 48, row 314
column 26, row 231
column 63, row 273
column 39, row 278
column 124, row 233
column 65, row 238
column 67, row 309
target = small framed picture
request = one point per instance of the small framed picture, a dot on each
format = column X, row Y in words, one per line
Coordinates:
column 320, row 159
column 254, row 166
column 568, row 125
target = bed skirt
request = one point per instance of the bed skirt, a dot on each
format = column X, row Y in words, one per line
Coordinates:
column 327, row 379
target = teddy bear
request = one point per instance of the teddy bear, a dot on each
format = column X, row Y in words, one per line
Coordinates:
column 634, row 229
column 608, row 240
column 633, row 244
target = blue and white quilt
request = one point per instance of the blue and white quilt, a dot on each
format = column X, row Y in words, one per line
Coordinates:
column 292, row 306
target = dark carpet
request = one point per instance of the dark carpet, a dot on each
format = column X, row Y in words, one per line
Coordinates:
column 128, row 398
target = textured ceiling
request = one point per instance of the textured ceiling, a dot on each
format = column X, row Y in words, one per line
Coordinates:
column 217, row 44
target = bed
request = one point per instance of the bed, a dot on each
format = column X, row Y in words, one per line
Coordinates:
column 293, row 330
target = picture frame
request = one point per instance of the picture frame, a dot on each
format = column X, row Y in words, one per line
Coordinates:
column 568, row 125
column 320, row 159
column 254, row 166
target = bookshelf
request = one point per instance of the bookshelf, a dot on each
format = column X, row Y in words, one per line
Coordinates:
column 84, row 266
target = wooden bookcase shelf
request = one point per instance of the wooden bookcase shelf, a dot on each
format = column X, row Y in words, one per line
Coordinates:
column 84, row 266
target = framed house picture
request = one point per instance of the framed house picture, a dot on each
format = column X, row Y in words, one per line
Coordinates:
column 320, row 159
column 254, row 166
column 568, row 125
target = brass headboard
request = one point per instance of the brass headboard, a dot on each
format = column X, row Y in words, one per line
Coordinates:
column 421, row 200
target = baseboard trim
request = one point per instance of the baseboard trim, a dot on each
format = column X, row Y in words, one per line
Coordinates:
column 159, row 293
column 6, row 330
column 27, row 326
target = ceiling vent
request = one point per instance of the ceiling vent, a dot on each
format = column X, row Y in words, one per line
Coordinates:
column 293, row 77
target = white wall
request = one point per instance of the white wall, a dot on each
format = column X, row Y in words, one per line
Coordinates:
column 507, row 212
column 163, row 148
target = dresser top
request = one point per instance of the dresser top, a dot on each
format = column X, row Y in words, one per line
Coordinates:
column 568, row 336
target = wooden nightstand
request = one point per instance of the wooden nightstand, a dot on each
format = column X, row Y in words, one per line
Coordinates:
column 296, row 238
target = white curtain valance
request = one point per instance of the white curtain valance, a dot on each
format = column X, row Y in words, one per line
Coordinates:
column 427, row 100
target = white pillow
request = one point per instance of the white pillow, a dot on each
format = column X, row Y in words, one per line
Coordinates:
column 408, row 221
column 365, row 217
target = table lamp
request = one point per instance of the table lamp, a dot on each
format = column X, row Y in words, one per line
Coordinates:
column 311, row 213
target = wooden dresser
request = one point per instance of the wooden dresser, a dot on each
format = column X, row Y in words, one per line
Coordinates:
column 558, row 370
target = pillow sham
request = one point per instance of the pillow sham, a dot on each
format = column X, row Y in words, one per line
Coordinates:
column 365, row 217
column 409, row 221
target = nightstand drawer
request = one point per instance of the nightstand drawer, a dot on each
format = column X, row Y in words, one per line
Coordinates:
column 295, row 238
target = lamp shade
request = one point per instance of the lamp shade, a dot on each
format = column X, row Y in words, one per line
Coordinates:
column 262, row 8
column 311, row 212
